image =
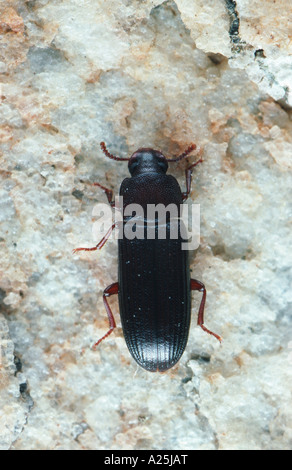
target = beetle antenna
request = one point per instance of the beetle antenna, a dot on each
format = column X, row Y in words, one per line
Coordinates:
column 184, row 154
column 110, row 155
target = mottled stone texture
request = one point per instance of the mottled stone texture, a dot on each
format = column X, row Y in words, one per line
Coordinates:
column 159, row 74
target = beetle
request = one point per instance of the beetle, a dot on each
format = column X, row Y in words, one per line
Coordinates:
column 154, row 285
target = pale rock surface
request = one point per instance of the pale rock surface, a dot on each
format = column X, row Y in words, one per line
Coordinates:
column 159, row 74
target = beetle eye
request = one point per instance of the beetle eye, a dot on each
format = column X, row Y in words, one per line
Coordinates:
column 133, row 166
column 161, row 163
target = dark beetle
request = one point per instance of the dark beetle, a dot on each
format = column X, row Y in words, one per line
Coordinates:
column 154, row 284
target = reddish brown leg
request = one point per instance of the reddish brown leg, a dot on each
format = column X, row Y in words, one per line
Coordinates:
column 189, row 171
column 110, row 290
column 100, row 244
column 108, row 192
column 197, row 285
column 109, row 195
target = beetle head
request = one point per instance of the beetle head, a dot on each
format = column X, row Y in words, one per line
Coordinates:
column 146, row 160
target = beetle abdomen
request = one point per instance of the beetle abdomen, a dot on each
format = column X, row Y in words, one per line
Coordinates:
column 154, row 298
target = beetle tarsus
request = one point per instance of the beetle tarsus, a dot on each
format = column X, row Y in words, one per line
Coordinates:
column 100, row 244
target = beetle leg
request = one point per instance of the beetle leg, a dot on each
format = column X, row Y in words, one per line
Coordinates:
column 189, row 171
column 100, row 244
column 110, row 290
column 197, row 285
column 108, row 192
